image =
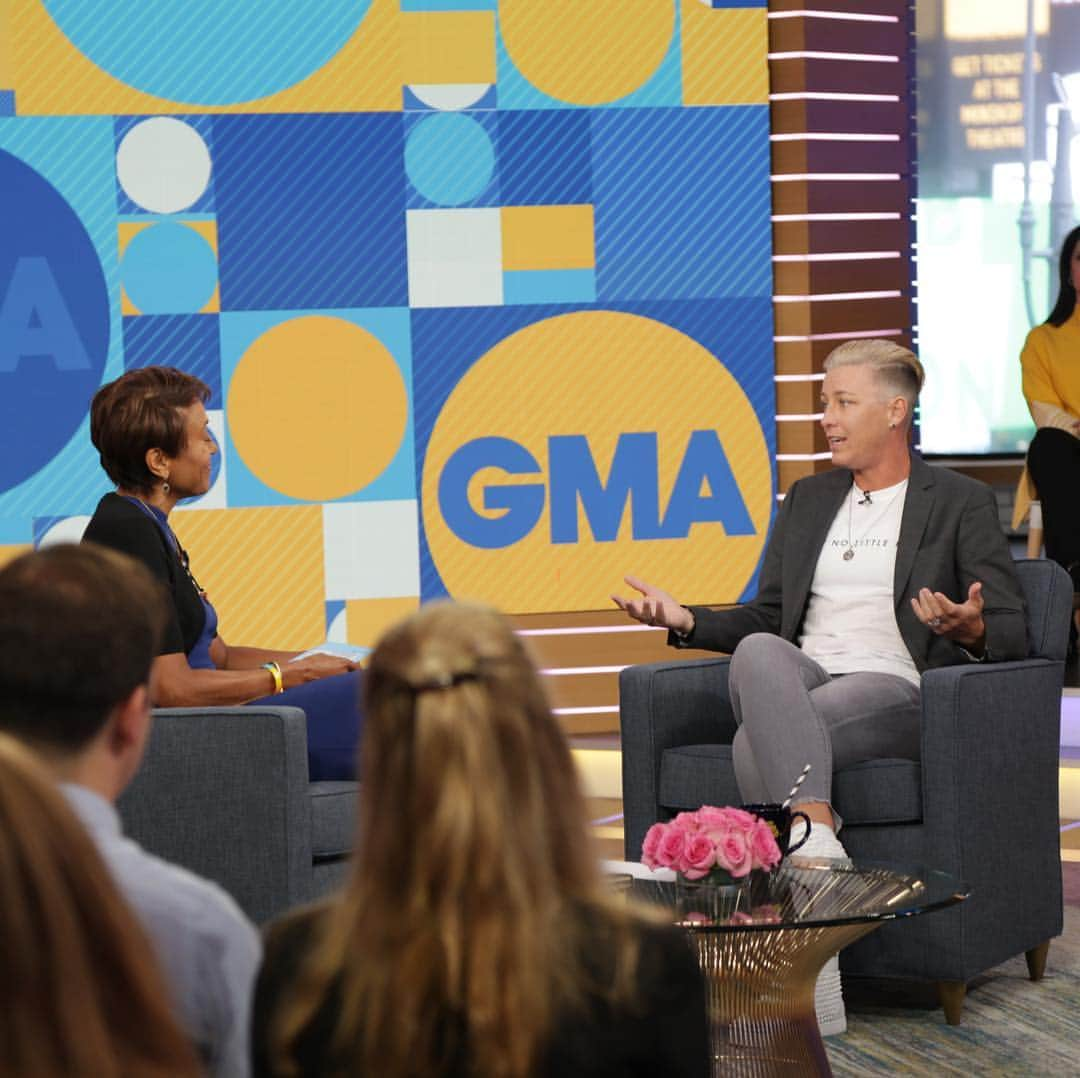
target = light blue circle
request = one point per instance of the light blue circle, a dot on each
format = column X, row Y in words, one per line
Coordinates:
column 169, row 269
column 449, row 158
column 208, row 52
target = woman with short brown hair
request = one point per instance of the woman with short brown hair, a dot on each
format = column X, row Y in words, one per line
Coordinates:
column 151, row 429
column 476, row 936
column 80, row 993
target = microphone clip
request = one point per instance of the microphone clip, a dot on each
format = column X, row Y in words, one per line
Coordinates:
column 865, row 499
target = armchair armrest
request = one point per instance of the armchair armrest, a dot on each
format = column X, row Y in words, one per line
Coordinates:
column 223, row 791
column 662, row 705
column 990, row 756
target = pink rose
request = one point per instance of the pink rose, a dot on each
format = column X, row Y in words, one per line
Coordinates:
column 717, row 822
column 687, row 821
column 711, row 816
column 741, row 818
column 699, row 855
column 651, row 843
column 733, row 854
column 669, row 850
column 763, row 847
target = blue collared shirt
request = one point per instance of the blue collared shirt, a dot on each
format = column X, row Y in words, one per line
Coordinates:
column 209, row 952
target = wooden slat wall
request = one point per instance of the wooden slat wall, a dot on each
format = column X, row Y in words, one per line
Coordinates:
column 843, row 184
column 836, row 276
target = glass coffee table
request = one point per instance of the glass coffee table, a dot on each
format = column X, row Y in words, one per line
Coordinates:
column 761, row 961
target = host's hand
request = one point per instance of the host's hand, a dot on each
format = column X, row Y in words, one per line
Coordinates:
column 655, row 607
column 314, row 668
column 962, row 622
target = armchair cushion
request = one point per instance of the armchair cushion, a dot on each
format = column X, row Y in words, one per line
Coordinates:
column 874, row 792
column 333, row 818
column 696, row 775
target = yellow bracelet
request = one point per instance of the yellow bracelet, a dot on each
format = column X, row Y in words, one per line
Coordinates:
column 275, row 673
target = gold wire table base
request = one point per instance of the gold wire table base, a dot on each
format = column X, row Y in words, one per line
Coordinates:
column 760, row 997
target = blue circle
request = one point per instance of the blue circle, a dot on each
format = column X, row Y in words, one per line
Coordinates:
column 54, row 321
column 206, row 52
column 449, row 158
column 169, row 268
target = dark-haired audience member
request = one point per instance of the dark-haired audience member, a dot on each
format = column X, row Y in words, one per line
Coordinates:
column 151, row 430
column 79, row 632
column 80, row 992
column 1051, row 366
column 475, row 937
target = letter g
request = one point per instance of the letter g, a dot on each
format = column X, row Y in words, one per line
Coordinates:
column 521, row 504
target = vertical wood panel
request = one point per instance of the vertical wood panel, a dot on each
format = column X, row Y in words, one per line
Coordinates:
column 832, row 80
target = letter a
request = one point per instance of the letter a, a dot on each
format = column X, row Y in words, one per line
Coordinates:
column 34, row 320
column 705, row 459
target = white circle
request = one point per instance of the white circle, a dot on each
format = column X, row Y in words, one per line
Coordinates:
column 67, row 530
column 163, row 164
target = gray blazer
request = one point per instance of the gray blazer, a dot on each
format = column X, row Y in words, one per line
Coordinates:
column 950, row 537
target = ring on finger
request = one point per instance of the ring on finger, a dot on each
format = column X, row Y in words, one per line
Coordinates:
column 935, row 623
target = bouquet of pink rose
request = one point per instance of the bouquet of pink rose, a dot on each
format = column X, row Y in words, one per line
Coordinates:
column 718, row 843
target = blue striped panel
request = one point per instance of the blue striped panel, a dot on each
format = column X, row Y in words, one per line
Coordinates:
column 549, row 286
column 544, row 158
column 682, row 202
column 187, row 341
column 311, row 211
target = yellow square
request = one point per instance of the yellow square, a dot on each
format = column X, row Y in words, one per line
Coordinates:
column 10, row 553
column 7, row 73
column 547, row 237
column 444, row 47
column 262, row 570
column 367, row 619
column 725, row 55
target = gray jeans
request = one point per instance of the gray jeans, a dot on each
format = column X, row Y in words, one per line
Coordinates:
column 791, row 712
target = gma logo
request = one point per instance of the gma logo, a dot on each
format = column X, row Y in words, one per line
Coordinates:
column 705, row 491
column 586, row 445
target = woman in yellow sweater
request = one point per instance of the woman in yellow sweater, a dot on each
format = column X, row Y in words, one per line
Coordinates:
column 1051, row 367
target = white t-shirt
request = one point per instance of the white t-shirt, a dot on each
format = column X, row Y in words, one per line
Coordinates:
column 850, row 623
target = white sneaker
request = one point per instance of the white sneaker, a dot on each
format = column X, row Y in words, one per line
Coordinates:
column 821, row 843
column 828, row 996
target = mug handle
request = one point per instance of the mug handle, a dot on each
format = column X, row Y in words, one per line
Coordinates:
column 806, row 833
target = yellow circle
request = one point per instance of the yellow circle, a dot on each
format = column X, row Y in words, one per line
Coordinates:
column 587, row 53
column 317, row 408
column 601, row 375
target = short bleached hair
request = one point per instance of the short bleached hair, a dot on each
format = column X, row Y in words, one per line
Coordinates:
column 898, row 369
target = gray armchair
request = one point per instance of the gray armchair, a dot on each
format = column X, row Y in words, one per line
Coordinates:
column 982, row 804
column 224, row 792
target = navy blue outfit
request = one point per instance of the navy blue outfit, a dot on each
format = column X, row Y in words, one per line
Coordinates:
column 332, row 705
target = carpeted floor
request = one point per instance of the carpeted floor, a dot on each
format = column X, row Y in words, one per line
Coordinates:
column 1011, row 1026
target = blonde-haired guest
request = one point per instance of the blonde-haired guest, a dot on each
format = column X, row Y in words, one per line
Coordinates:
column 80, row 993
column 875, row 571
column 476, row 936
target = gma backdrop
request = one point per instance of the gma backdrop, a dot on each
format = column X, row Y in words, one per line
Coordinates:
column 481, row 290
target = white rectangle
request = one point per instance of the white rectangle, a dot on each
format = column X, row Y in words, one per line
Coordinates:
column 371, row 550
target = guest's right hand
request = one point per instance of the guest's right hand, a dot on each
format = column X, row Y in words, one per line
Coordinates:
column 655, row 607
column 314, row 668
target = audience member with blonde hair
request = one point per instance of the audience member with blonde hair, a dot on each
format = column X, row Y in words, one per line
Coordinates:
column 476, row 936
column 80, row 993
column 875, row 571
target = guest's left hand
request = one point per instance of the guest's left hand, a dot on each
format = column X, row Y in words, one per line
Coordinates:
column 962, row 622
